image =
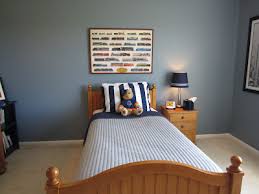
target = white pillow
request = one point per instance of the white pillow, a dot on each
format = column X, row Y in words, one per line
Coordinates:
column 102, row 110
column 98, row 111
column 113, row 97
column 152, row 109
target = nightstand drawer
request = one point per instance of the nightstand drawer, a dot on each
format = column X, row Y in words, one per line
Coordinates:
column 189, row 134
column 185, row 125
column 185, row 121
column 183, row 117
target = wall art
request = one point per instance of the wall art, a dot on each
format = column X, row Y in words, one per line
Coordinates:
column 120, row 50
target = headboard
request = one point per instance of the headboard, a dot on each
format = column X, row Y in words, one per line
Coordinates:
column 96, row 98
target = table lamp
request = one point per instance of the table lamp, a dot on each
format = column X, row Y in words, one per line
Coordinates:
column 179, row 80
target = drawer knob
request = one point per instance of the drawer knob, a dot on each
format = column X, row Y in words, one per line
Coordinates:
column 182, row 117
column 182, row 126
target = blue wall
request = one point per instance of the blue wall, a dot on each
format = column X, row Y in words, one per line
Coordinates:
column 246, row 105
column 44, row 57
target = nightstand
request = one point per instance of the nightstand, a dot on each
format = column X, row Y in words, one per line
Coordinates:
column 185, row 121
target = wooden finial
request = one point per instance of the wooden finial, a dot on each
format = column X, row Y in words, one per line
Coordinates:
column 236, row 161
column 53, row 176
column 154, row 85
column 89, row 86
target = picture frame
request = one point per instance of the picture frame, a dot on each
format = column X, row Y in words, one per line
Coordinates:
column 2, row 92
column 251, row 75
column 120, row 51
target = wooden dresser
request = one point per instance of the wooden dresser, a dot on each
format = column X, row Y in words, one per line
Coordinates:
column 2, row 155
column 185, row 121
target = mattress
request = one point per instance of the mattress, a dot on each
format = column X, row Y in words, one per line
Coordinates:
column 113, row 140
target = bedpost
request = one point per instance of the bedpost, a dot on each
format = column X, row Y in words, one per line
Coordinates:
column 90, row 101
column 236, row 174
column 153, row 96
column 53, row 181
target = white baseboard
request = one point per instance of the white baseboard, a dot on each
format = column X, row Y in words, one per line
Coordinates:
column 247, row 146
column 80, row 142
column 203, row 136
column 50, row 143
column 228, row 135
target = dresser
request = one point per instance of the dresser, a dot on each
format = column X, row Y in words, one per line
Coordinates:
column 185, row 121
column 2, row 155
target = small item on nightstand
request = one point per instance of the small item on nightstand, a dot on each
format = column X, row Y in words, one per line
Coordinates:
column 170, row 104
column 188, row 104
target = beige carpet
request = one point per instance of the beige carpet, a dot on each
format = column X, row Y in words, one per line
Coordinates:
column 26, row 167
column 221, row 148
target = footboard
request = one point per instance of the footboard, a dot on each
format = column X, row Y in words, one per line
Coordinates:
column 152, row 177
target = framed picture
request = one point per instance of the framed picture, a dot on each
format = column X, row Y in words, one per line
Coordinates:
column 2, row 94
column 251, row 77
column 120, row 50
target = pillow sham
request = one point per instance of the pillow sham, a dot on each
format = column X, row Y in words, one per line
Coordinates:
column 113, row 97
column 98, row 111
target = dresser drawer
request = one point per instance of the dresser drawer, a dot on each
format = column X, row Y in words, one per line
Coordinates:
column 186, row 126
column 183, row 117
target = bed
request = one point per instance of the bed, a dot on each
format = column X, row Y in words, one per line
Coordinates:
column 118, row 159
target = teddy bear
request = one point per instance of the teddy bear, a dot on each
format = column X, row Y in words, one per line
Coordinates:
column 129, row 105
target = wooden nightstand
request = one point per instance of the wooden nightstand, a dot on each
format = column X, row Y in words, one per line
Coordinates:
column 185, row 121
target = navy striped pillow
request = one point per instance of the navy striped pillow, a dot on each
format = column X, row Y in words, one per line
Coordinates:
column 113, row 96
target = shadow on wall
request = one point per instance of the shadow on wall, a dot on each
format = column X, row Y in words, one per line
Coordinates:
column 83, row 104
column 168, row 78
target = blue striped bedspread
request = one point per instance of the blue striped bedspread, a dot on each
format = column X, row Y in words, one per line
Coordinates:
column 113, row 141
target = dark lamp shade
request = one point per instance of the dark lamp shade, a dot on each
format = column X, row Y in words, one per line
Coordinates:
column 179, row 80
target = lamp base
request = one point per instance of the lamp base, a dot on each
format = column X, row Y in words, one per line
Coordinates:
column 179, row 102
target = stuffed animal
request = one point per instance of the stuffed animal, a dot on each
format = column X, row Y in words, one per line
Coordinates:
column 129, row 105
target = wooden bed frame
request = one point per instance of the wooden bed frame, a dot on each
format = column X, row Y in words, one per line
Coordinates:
column 148, row 177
